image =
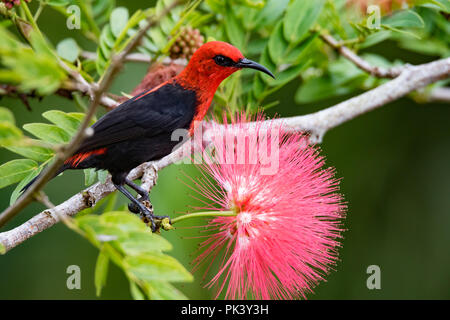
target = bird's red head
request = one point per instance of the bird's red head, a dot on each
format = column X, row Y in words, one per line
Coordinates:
column 204, row 63
column 212, row 63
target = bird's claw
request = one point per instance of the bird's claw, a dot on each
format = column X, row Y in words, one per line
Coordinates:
column 157, row 222
column 132, row 207
column 147, row 216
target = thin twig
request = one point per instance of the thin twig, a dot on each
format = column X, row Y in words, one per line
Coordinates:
column 82, row 85
column 360, row 62
column 436, row 94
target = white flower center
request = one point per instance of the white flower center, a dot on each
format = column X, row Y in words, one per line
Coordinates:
column 245, row 217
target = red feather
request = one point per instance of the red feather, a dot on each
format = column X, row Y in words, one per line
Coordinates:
column 76, row 159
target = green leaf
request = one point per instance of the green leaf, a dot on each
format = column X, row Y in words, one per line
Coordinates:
column 161, row 290
column 118, row 20
column 31, row 69
column 89, row 176
column 329, row 86
column 9, row 133
column 404, row 19
column 316, row 89
column 18, row 190
column 277, row 44
column 32, row 152
column 102, row 10
column 442, row 5
column 256, row 46
column 101, row 270
column 157, row 267
column 343, row 78
column 102, row 175
column 136, row 293
column 110, row 202
column 258, row 87
column 375, row 38
column 144, row 242
column 234, row 29
column 69, row 122
column 47, row 132
column 297, row 54
column 300, row 17
column 107, row 41
column 430, row 47
column 271, row 12
column 123, row 220
column 6, row 115
column 158, row 37
column 68, row 49
column 287, row 75
column 266, row 61
column 2, row 248
column 15, row 170
column 99, row 232
column 127, row 31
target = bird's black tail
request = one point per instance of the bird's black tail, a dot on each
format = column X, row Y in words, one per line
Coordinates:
column 64, row 167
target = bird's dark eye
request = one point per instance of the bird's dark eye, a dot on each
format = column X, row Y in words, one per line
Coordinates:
column 223, row 61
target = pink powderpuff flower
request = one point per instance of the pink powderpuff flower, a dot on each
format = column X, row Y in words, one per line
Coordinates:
column 284, row 237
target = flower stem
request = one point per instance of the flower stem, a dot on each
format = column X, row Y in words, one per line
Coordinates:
column 205, row 214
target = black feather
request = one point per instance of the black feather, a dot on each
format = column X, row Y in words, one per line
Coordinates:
column 137, row 131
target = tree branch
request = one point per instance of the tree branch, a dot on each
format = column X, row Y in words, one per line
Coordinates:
column 82, row 85
column 410, row 79
column 436, row 94
column 96, row 94
column 82, row 200
column 317, row 124
column 378, row 72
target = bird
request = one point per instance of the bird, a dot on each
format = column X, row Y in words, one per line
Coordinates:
column 140, row 129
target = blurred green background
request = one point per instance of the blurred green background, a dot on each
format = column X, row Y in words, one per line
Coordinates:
column 395, row 169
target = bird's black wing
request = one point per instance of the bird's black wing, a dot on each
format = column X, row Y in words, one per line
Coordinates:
column 151, row 113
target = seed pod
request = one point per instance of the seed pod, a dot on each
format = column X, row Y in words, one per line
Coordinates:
column 187, row 43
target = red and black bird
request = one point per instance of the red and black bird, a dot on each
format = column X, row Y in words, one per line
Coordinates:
column 140, row 129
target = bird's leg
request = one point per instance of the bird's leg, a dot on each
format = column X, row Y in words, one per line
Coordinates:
column 145, row 212
column 144, row 195
column 138, row 189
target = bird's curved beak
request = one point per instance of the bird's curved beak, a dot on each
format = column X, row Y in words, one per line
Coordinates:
column 246, row 63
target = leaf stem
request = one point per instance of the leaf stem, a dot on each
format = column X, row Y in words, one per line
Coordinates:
column 30, row 18
column 38, row 12
column 205, row 214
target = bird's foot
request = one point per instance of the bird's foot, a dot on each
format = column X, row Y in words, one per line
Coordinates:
column 133, row 207
column 146, row 214
column 153, row 221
